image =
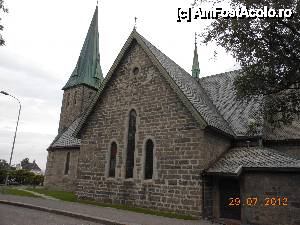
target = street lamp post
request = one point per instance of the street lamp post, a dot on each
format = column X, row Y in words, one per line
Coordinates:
column 13, row 146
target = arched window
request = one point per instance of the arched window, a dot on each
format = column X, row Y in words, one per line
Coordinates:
column 67, row 165
column 149, row 159
column 112, row 160
column 131, row 144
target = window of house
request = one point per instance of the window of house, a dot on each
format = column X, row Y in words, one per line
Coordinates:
column 112, row 160
column 67, row 165
column 131, row 144
column 149, row 159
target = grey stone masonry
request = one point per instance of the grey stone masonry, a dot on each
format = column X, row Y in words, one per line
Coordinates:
column 55, row 177
column 181, row 149
column 75, row 101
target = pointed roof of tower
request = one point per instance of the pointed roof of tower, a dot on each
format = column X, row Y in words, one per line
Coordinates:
column 195, row 68
column 88, row 70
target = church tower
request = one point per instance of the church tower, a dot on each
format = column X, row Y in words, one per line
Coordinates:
column 84, row 80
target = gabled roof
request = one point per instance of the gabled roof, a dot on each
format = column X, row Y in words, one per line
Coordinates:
column 189, row 91
column 220, row 89
column 88, row 70
column 237, row 159
column 65, row 139
column 31, row 166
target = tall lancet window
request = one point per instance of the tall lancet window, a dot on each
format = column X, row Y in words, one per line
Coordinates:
column 67, row 165
column 112, row 161
column 131, row 144
column 149, row 160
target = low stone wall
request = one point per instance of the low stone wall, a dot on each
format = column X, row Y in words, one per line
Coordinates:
column 156, row 195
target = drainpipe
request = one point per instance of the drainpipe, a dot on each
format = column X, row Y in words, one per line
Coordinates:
column 203, row 192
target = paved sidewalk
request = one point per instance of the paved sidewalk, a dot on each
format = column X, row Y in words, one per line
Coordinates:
column 111, row 214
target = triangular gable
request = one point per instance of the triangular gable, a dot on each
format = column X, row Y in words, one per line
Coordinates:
column 188, row 89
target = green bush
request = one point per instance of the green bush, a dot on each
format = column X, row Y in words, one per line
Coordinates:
column 22, row 177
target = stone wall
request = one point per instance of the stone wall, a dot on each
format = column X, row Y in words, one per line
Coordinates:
column 267, row 185
column 75, row 100
column 55, row 177
column 181, row 149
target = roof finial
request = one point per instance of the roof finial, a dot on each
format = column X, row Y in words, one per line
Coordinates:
column 135, row 18
column 97, row 2
column 195, row 67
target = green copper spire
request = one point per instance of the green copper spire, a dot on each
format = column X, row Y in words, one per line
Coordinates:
column 88, row 70
column 195, row 68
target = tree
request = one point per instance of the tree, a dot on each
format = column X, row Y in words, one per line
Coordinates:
column 268, row 51
column 3, row 165
column 5, row 10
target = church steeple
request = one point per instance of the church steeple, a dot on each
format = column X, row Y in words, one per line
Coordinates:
column 88, row 70
column 195, row 68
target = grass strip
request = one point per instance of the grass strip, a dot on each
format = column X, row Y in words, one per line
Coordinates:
column 13, row 191
column 71, row 197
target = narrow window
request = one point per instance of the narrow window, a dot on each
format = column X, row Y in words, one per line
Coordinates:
column 131, row 144
column 75, row 96
column 112, row 161
column 67, row 166
column 149, row 160
column 68, row 99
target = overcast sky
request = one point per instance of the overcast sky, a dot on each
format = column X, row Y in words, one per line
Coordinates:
column 43, row 42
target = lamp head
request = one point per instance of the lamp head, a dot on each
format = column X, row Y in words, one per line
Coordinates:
column 4, row 93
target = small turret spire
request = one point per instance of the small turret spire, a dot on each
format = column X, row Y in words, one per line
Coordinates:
column 195, row 67
column 135, row 19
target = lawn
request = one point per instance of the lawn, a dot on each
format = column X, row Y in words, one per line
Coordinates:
column 62, row 195
column 71, row 197
column 13, row 191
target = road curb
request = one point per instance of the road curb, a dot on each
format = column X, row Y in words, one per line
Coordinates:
column 65, row 213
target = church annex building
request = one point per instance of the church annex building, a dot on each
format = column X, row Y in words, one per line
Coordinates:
column 151, row 135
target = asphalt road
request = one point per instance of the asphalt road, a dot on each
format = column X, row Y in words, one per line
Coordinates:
column 13, row 215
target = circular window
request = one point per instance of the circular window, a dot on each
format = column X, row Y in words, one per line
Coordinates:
column 135, row 70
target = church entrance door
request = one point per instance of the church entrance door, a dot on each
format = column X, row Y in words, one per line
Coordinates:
column 230, row 203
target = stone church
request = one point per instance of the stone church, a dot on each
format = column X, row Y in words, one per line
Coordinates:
column 152, row 135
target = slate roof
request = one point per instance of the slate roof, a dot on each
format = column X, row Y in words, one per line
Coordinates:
column 66, row 138
column 220, row 89
column 237, row 159
column 31, row 166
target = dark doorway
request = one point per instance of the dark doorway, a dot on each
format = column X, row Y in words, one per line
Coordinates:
column 230, row 203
